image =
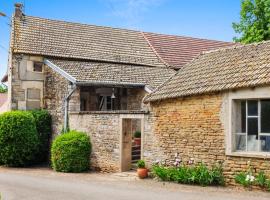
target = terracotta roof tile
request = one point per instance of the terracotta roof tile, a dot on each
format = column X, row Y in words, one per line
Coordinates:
column 176, row 51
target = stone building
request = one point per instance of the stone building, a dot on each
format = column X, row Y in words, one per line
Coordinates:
column 94, row 79
column 216, row 109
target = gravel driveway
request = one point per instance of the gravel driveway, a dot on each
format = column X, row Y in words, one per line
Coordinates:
column 43, row 183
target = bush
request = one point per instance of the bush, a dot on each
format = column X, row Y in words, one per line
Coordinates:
column 141, row 164
column 18, row 138
column 198, row 174
column 43, row 124
column 70, row 152
column 137, row 134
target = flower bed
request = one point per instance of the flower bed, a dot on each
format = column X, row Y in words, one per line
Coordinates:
column 198, row 174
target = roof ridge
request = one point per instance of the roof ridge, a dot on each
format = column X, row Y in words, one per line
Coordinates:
column 154, row 50
column 190, row 37
column 78, row 23
column 236, row 46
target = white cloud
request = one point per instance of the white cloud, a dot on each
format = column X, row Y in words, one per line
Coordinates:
column 131, row 11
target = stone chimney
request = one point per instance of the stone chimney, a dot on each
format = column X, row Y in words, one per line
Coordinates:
column 18, row 10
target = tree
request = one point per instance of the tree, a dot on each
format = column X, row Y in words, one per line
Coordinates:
column 3, row 88
column 254, row 25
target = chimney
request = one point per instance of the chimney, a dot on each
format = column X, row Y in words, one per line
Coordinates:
column 18, row 10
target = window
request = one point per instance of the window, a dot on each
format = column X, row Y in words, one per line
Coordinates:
column 37, row 67
column 252, row 125
column 105, row 103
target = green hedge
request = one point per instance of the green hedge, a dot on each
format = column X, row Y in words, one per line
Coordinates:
column 190, row 174
column 43, row 124
column 70, row 152
column 18, row 138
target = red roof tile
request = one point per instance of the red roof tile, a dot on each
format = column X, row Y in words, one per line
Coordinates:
column 176, row 51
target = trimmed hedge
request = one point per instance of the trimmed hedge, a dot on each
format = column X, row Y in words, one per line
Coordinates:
column 70, row 152
column 43, row 122
column 18, row 138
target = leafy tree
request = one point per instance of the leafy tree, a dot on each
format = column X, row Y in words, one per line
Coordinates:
column 254, row 25
column 3, row 89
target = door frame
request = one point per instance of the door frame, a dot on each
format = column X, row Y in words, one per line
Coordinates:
column 130, row 116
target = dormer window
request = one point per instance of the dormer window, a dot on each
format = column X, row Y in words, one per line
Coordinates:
column 38, row 66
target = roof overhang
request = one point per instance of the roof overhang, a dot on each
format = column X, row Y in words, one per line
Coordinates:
column 94, row 83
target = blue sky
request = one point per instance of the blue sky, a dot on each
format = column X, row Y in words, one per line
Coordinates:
column 211, row 19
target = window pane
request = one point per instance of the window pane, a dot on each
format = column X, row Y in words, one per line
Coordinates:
column 38, row 66
column 240, row 143
column 252, row 143
column 265, row 143
column 253, row 126
column 252, row 107
column 243, row 116
column 265, row 116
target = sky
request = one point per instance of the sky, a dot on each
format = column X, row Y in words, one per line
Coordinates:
column 210, row 19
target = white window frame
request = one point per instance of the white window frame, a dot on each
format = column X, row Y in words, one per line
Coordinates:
column 228, row 119
column 258, row 117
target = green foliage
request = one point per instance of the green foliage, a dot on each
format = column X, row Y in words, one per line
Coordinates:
column 137, row 134
column 70, row 152
column 247, row 179
column 241, row 178
column 261, row 179
column 141, row 164
column 198, row 174
column 3, row 88
column 43, row 124
column 18, row 138
column 254, row 25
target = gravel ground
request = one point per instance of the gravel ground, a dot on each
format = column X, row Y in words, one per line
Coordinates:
column 43, row 183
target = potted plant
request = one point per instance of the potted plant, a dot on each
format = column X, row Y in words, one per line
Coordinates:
column 137, row 138
column 141, row 170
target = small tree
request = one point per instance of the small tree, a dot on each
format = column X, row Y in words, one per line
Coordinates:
column 254, row 25
column 3, row 88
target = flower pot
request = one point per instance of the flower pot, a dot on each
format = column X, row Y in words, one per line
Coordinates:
column 137, row 141
column 142, row 172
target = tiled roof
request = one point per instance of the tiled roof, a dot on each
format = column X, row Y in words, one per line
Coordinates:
column 217, row 70
column 177, row 51
column 111, row 73
column 73, row 40
column 81, row 41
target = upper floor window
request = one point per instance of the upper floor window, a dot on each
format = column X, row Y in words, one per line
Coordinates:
column 38, row 66
column 252, row 125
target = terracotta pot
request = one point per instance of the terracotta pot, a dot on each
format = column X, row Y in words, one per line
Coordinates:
column 137, row 141
column 142, row 172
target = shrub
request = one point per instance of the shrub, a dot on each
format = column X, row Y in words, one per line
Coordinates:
column 18, row 138
column 137, row 134
column 70, row 152
column 43, row 125
column 141, row 164
column 261, row 179
column 198, row 174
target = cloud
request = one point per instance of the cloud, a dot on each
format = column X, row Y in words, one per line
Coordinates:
column 131, row 11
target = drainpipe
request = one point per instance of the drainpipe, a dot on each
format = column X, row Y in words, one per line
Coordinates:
column 66, row 102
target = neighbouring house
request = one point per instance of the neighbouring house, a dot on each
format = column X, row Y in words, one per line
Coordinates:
column 3, row 100
column 216, row 108
column 94, row 79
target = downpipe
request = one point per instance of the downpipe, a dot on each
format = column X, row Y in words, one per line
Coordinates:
column 66, row 103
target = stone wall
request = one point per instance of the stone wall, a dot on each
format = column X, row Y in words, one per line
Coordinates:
column 22, row 79
column 104, row 132
column 193, row 129
column 190, row 128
